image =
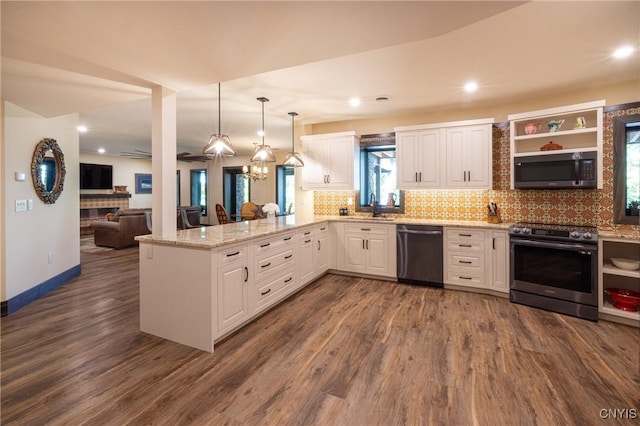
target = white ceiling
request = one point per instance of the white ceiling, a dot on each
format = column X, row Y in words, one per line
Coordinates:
column 102, row 58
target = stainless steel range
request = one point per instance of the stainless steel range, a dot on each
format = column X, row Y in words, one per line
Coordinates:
column 555, row 267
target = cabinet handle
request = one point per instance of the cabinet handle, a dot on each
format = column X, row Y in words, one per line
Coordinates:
column 494, row 243
column 469, row 175
column 365, row 229
column 367, row 244
column 233, row 254
column 288, row 279
column 465, row 245
column 266, row 265
column 246, row 274
column 318, row 245
column 287, row 239
column 466, row 262
column 322, row 229
column 307, row 233
column 288, row 257
column 466, row 278
column 420, row 174
column 266, row 292
column 464, row 235
column 363, row 245
column 265, row 245
column 416, row 178
column 307, row 241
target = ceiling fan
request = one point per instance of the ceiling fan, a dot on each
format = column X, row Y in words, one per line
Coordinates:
column 182, row 156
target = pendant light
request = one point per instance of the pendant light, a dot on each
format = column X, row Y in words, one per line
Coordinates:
column 263, row 152
column 219, row 144
column 293, row 159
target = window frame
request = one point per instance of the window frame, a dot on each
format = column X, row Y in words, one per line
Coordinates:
column 192, row 173
column 620, row 169
column 281, row 192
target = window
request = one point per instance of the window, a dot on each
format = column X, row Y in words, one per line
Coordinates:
column 177, row 188
column 285, row 188
column 626, row 169
column 378, row 174
column 199, row 189
column 235, row 190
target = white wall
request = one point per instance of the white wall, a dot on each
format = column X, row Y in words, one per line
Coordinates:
column 31, row 237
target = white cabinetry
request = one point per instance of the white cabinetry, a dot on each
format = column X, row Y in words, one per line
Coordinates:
column 455, row 155
column 614, row 277
column 418, row 159
column 274, row 266
column 574, row 134
column 233, row 287
column 477, row 258
column 468, row 153
column 367, row 248
column 314, row 248
column 331, row 161
column 305, row 270
column 322, row 249
column 500, row 261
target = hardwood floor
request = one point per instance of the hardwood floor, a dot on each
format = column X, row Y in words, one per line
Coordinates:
column 343, row 351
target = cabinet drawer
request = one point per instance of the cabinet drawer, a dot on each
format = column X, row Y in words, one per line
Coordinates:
column 465, row 234
column 266, row 264
column 461, row 278
column 366, row 228
column 471, row 246
column 231, row 254
column 272, row 244
column 270, row 289
column 463, row 262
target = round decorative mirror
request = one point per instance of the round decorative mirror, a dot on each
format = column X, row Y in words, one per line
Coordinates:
column 48, row 170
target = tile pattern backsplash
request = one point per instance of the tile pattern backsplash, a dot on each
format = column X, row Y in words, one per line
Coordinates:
column 589, row 207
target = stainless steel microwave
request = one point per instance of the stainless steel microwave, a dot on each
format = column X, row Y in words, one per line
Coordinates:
column 556, row 171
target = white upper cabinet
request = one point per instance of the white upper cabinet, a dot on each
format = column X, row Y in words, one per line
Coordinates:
column 330, row 161
column 455, row 155
column 418, row 156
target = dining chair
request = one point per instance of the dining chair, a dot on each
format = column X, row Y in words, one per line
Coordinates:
column 222, row 214
column 250, row 211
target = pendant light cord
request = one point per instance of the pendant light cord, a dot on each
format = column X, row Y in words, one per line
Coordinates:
column 219, row 125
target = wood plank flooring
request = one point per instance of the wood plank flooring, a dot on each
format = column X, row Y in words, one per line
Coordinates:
column 343, row 351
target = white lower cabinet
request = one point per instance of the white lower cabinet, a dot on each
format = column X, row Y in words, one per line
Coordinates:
column 274, row 270
column 476, row 258
column 305, row 270
column 322, row 249
column 366, row 248
column 232, row 288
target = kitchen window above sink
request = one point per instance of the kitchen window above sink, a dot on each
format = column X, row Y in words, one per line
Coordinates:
column 378, row 175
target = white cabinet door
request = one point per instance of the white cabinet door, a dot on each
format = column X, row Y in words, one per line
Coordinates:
column 339, row 163
column 500, row 261
column 313, row 172
column 233, row 301
column 468, row 153
column 354, row 260
column 321, row 252
column 305, row 265
column 418, row 159
column 478, row 151
column 378, row 254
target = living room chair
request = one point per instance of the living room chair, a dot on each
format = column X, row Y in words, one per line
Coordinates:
column 186, row 224
column 222, row 214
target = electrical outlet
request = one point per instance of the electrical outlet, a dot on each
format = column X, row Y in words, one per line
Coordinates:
column 50, row 258
column 21, row 205
column 350, row 201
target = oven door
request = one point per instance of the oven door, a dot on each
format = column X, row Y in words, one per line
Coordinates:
column 561, row 270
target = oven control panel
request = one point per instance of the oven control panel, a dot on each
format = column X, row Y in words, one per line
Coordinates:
column 555, row 232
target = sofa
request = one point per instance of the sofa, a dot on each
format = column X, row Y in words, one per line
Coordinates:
column 119, row 230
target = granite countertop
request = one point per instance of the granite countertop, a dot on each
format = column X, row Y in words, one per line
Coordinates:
column 619, row 234
column 207, row 237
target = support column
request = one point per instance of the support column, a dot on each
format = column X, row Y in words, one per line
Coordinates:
column 163, row 163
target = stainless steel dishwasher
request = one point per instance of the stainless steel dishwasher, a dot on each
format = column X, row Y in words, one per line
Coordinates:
column 420, row 254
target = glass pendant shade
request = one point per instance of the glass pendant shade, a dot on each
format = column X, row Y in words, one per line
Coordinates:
column 293, row 159
column 263, row 153
column 219, row 144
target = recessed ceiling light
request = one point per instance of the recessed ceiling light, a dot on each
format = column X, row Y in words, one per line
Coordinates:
column 101, row 151
column 82, row 128
column 354, row 102
column 623, row 52
column 470, row 86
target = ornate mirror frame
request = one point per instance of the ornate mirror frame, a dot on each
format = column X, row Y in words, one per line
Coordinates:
column 44, row 146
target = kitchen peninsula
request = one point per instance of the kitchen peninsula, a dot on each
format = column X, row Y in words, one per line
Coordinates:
column 207, row 282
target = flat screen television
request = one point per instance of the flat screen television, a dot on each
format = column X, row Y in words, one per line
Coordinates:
column 96, row 176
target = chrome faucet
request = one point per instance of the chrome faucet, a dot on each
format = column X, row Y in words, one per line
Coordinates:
column 372, row 203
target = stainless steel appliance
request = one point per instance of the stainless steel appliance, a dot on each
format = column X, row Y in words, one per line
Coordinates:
column 420, row 254
column 556, row 171
column 555, row 268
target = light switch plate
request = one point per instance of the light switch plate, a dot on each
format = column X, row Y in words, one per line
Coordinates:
column 21, row 205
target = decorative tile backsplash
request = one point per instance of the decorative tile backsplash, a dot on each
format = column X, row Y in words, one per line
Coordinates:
column 589, row 207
